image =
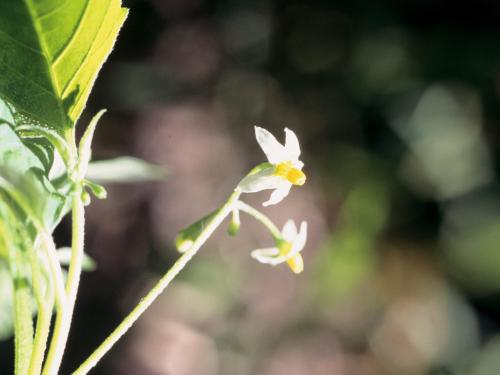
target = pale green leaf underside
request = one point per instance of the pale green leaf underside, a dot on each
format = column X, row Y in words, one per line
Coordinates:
column 25, row 173
column 6, row 302
column 51, row 52
column 124, row 169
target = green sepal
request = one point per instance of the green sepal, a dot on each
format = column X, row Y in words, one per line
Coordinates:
column 85, row 197
column 187, row 236
column 98, row 190
column 234, row 223
column 259, row 168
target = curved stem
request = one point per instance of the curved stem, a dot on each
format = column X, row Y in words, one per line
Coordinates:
column 63, row 321
column 275, row 232
column 160, row 286
column 46, row 240
column 45, row 303
column 48, row 246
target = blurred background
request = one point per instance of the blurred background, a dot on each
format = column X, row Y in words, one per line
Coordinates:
column 396, row 104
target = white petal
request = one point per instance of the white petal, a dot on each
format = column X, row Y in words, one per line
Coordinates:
column 266, row 256
column 298, row 164
column 263, row 180
column 279, row 194
column 281, row 258
column 275, row 151
column 300, row 240
column 292, row 146
column 289, row 231
column 293, row 253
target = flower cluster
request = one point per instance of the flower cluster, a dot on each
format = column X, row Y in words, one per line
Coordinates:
column 282, row 171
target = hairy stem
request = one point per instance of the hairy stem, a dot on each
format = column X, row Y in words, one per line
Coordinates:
column 160, row 286
column 23, row 323
column 57, row 278
column 63, row 320
column 45, row 304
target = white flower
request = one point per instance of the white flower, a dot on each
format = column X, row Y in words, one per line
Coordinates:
column 283, row 171
column 287, row 250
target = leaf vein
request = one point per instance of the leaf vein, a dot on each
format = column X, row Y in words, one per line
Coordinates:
column 88, row 54
column 43, row 45
column 54, row 10
column 110, row 35
column 65, row 48
column 19, row 43
column 23, row 77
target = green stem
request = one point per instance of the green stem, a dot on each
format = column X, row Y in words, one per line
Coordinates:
column 45, row 304
column 160, row 286
column 23, row 312
column 49, row 247
column 57, row 278
column 23, row 325
column 46, row 240
column 275, row 232
column 63, row 321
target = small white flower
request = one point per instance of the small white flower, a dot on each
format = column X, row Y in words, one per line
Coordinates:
column 287, row 250
column 284, row 171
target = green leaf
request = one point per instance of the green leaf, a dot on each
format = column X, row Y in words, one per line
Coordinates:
column 48, row 139
column 43, row 149
column 64, row 257
column 37, row 142
column 16, row 301
column 6, row 115
column 85, row 147
column 22, row 171
column 124, row 169
column 6, row 302
column 52, row 51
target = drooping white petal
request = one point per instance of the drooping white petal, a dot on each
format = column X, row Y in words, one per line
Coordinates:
column 266, row 256
column 276, row 259
column 300, row 240
column 279, row 194
column 277, row 255
column 289, row 231
column 262, row 180
column 275, row 151
column 292, row 146
column 296, row 264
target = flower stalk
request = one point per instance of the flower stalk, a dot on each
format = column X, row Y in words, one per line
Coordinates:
column 159, row 287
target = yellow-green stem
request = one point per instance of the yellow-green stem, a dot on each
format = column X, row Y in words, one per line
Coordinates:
column 45, row 304
column 160, row 286
column 23, row 313
column 275, row 232
column 63, row 321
